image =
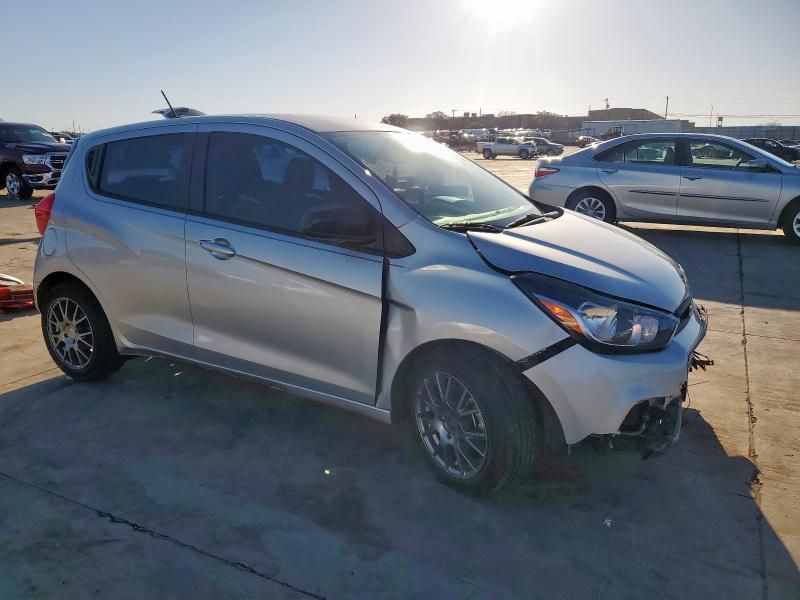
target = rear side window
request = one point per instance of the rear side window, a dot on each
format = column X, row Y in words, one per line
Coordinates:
column 259, row 181
column 653, row 152
column 152, row 170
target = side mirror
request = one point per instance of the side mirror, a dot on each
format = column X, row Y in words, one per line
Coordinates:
column 757, row 164
column 341, row 224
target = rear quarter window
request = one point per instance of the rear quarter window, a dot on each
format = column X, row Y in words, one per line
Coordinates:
column 150, row 170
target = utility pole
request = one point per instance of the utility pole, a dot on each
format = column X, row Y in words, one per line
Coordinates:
column 666, row 108
column 711, row 115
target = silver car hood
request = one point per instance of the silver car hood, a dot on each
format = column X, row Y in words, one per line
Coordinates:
column 590, row 253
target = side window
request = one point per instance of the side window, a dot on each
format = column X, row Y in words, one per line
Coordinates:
column 715, row 155
column 151, row 170
column 94, row 161
column 651, row 152
column 259, row 181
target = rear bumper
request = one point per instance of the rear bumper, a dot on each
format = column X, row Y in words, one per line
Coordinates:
column 596, row 394
column 552, row 195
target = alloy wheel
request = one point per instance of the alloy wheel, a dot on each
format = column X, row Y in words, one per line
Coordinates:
column 591, row 207
column 70, row 333
column 796, row 224
column 451, row 425
column 13, row 184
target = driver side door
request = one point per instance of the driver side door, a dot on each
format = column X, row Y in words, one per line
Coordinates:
column 716, row 185
column 267, row 297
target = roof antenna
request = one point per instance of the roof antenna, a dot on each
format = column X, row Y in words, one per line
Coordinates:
column 174, row 114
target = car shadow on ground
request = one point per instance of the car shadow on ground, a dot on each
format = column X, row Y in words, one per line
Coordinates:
column 337, row 504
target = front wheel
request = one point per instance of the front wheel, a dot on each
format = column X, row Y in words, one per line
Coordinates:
column 473, row 419
column 524, row 154
column 15, row 185
column 791, row 223
column 77, row 334
column 487, row 154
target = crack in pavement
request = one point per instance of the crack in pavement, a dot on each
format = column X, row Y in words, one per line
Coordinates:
column 755, row 481
column 117, row 520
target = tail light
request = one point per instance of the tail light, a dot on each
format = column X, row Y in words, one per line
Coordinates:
column 544, row 171
column 42, row 212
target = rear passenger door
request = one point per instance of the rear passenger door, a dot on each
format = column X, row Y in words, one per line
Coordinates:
column 643, row 176
column 126, row 236
column 270, row 298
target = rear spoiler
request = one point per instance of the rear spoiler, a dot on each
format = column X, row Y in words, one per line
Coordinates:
column 178, row 112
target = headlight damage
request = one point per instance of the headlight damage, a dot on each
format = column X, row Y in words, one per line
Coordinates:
column 603, row 323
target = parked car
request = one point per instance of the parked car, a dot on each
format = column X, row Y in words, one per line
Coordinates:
column 792, row 143
column 787, row 153
column 30, row 159
column 507, row 146
column 675, row 178
column 586, row 140
column 61, row 137
column 545, row 147
column 366, row 267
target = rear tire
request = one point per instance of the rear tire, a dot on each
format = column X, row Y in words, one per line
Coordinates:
column 473, row 419
column 524, row 154
column 593, row 203
column 77, row 334
column 791, row 222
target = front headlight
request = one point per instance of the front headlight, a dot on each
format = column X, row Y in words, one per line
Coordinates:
column 605, row 324
column 34, row 159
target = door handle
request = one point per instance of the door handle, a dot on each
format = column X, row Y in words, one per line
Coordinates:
column 218, row 248
column 692, row 177
column 610, row 171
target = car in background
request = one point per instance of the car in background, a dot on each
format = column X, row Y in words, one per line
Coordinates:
column 507, row 146
column 787, row 153
column 585, row 140
column 675, row 178
column 376, row 271
column 30, row 159
column 545, row 147
column 791, row 143
column 62, row 137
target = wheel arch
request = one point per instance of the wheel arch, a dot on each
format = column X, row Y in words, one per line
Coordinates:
column 790, row 205
column 57, row 278
column 549, row 430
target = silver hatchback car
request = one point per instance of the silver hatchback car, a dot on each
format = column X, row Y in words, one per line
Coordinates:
column 368, row 268
column 686, row 178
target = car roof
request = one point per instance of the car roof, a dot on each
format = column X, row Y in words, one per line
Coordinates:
column 314, row 123
column 10, row 124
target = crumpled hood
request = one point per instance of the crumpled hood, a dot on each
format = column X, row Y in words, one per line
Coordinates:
column 590, row 253
column 38, row 147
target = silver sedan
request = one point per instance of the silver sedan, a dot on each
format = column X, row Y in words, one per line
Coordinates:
column 675, row 178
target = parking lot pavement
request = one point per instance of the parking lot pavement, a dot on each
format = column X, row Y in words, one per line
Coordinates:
column 170, row 480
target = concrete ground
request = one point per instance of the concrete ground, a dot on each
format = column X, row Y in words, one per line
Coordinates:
column 172, row 481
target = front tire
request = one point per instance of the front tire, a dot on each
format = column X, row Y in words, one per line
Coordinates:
column 15, row 186
column 524, row 154
column 487, row 154
column 77, row 334
column 791, row 223
column 473, row 419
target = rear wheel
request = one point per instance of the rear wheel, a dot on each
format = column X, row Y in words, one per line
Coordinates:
column 791, row 222
column 593, row 204
column 487, row 154
column 77, row 334
column 524, row 154
column 473, row 419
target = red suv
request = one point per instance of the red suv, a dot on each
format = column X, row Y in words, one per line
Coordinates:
column 30, row 159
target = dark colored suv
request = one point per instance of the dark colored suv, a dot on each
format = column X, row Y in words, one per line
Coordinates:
column 787, row 153
column 30, row 159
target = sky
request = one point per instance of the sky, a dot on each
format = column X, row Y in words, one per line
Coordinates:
column 101, row 63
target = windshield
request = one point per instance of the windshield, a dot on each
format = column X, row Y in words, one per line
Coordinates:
column 24, row 133
column 441, row 185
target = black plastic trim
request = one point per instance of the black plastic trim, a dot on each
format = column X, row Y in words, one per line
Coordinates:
column 384, row 326
column 539, row 357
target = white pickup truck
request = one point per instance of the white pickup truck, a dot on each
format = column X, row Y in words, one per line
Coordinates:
column 508, row 147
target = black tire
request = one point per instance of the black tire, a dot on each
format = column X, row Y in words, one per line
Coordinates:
column 25, row 192
column 609, row 210
column 524, row 154
column 791, row 222
column 19, row 186
column 487, row 153
column 506, row 410
column 104, row 358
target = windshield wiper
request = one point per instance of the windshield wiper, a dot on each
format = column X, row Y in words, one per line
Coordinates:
column 472, row 227
column 532, row 218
